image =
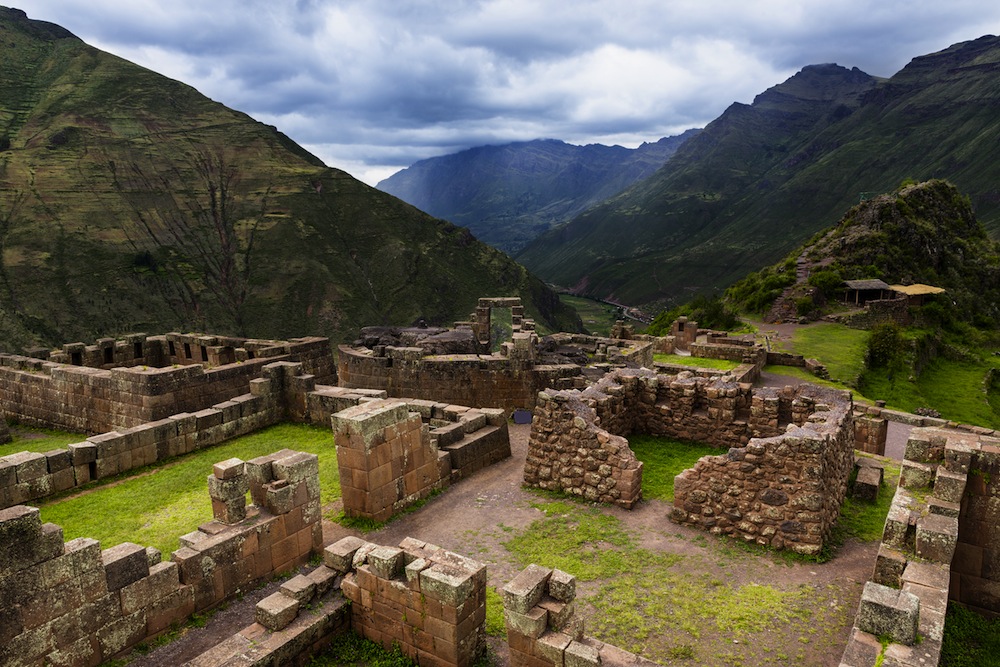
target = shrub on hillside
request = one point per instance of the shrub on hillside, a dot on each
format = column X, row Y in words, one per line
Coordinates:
column 710, row 312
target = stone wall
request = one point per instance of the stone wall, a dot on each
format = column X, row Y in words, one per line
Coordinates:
column 543, row 629
column 870, row 432
column 877, row 311
column 467, row 379
column 577, row 443
column 428, row 601
column 94, row 400
column 783, row 491
column 389, row 457
column 73, row 604
column 920, row 563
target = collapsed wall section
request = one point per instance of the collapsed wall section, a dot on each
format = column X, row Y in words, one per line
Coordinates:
column 73, row 604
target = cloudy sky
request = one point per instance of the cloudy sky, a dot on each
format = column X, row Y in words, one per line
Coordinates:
column 371, row 86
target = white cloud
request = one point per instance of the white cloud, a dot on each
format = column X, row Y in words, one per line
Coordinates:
column 372, row 85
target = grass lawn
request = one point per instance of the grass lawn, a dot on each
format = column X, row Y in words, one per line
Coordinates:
column 154, row 506
column 954, row 388
column 697, row 362
column 30, row 439
column 663, row 459
column 839, row 348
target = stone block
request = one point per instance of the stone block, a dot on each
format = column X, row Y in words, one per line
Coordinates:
column 339, row 556
column 579, row 654
column 58, row 459
column 124, row 564
column 296, row 467
column 889, row 612
column 276, row 611
column 889, row 566
column 936, row 538
column 279, row 497
column 228, row 488
column 551, row 647
column 526, row 589
column 949, row 486
column 300, row 588
column 450, row 585
column 28, row 465
column 386, row 562
column 531, row 624
column 323, row 578
column 364, row 424
column 562, row 586
column 914, row 475
column 560, row 613
column 229, row 468
column 866, row 484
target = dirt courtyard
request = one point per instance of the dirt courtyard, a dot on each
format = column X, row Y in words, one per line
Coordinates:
column 672, row 594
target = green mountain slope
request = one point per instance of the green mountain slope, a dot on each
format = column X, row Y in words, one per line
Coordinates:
column 762, row 178
column 509, row 194
column 129, row 201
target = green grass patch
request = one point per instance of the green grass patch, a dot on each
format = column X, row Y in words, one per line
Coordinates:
column 352, row 649
column 495, row 625
column 597, row 317
column 663, row 459
column 970, row 640
column 866, row 521
column 31, row 439
column 154, row 506
column 697, row 362
column 955, row 388
column 840, row 348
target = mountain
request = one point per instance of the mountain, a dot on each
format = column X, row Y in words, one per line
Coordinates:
column 764, row 177
column 507, row 195
column 131, row 202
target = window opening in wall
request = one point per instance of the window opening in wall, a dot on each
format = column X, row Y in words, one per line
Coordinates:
column 249, row 354
column 204, row 353
column 501, row 327
column 76, row 358
column 173, row 351
column 137, row 350
column 187, row 350
column 109, row 355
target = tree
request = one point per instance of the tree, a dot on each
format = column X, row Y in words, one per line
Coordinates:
column 194, row 228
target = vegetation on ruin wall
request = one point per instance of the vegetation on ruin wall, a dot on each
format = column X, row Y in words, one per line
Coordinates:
column 154, row 506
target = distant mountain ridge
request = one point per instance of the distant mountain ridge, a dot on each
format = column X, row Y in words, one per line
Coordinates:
column 762, row 178
column 508, row 194
column 131, row 202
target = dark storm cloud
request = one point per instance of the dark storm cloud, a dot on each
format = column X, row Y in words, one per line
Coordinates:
column 373, row 85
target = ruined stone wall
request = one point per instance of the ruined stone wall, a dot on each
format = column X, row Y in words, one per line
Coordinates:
column 920, row 563
column 577, row 443
column 389, row 458
column 74, row 604
column 479, row 380
column 783, row 491
column 870, row 432
column 543, row 629
column 428, row 601
column 91, row 400
column 976, row 567
column 878, row 311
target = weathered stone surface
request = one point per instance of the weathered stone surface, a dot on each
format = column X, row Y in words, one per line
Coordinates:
column 339, row 556
column 889, row 612
column 276, row 611
column 526, row 589
column 124, row 564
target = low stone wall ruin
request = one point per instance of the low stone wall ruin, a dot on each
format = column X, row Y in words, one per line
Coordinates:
column 467, row 440
column 782, row 491
column 96, row 400
column 481, row 380
column 74, row 604
column 578, row 446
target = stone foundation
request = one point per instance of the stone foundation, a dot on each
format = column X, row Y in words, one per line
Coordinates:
column 74, row 604
column 428, row 601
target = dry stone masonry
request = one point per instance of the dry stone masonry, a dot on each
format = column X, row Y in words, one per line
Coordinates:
column 428, row 601
column 73, row 604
